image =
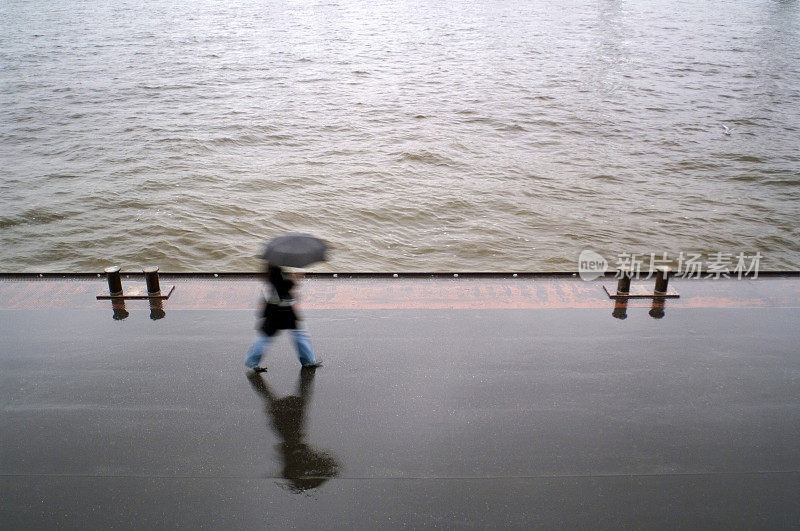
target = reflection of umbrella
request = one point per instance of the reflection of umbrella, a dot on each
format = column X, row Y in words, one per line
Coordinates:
column 295, row 250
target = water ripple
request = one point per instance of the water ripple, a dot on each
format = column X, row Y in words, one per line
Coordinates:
column 479, row 136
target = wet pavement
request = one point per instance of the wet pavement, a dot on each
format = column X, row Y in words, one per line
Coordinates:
column 537, row 414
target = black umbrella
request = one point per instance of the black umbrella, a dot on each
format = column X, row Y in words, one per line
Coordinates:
column 295, row 250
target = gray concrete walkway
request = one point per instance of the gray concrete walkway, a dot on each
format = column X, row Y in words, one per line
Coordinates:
column 532, row 417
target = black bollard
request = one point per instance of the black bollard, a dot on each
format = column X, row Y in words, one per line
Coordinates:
column 114, row 280
column 624, row 283
column 151, row 277
column 662, row 279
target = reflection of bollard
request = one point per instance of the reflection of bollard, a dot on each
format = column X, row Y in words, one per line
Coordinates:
column 118, row 305
column 624, row 283
column 151, row 277
column 157, row 309
column 662, row 279
column 620, row 309
column 114, row 280
column 657, row 308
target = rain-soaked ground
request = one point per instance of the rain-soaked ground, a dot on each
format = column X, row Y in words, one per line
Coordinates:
column 469, row 402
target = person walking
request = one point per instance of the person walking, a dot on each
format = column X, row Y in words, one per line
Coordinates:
column 278, row 313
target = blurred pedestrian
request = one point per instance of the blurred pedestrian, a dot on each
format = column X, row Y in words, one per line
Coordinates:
column 278, row 313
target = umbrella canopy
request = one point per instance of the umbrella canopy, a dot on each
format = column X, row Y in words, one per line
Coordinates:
column 295, row 250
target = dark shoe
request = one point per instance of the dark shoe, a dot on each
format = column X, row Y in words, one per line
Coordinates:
column 256, row 370
column 313, row 365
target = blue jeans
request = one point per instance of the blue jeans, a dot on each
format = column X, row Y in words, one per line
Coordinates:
column 301, row 341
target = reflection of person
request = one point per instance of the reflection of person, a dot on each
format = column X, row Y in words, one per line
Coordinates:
column 304, row 467
column 278, row 314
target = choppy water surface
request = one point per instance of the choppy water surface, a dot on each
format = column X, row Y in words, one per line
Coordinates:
column 412, row 135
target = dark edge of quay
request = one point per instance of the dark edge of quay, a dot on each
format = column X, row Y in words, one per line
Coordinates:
column 32, row 276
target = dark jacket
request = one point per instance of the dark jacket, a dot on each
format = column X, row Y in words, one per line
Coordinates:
column 278, row 313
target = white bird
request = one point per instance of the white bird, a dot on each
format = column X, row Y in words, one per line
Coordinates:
column 727, row 130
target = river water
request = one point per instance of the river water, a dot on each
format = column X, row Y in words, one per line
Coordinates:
column 412, row 135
